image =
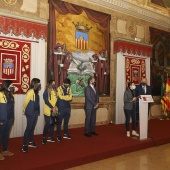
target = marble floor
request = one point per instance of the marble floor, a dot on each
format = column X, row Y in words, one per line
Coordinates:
column 155, row 158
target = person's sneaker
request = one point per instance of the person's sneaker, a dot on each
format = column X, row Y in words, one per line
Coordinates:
column 25, row 148
column 134, row 133
column 1, row 157
column 59, row 138
column 44, row 141
column 66, row 136
column 7, row 153
column 32, row 144
column 128, row 134
column 50, row 139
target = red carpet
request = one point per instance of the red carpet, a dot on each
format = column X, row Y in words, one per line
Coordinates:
column 111, row 141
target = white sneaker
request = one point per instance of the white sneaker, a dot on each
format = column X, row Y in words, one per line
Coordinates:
column 135, row 133
column 128, row 134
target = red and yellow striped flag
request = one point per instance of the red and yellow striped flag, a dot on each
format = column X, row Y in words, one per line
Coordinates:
column 166, row 98
column 167, row 85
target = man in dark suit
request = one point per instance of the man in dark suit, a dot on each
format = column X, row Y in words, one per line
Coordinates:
column 142, row 89
column 91, row 104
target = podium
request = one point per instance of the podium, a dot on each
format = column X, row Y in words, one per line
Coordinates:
column 143, row 115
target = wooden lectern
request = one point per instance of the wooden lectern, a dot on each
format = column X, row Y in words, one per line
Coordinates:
column 143, row 115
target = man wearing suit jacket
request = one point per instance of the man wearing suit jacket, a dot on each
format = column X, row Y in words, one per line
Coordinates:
column 142, row 89
column 91, row 104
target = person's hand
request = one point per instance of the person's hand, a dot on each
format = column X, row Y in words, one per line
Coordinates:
column 97, row 105
column 54, row 109
column 134, row 99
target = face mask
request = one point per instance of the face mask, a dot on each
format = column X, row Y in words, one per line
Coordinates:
column 66, row 86
column 53, row 86
column 133, row 87
column 94, row 84
column 143, row 84
column 11, row 89
column 39, row 86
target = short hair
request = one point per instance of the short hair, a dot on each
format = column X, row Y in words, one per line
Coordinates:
column 129, row 83
column 51, row 81
column 90, row 78
column 67, row 81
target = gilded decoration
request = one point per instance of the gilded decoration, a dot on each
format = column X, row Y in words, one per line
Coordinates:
column 135, row 69
column 140, row 2
column 25, row 82
column 9, row 44
column 135, row 61
column 26, row 53
column 10, row 2
column 131, row 29
column 15, row 63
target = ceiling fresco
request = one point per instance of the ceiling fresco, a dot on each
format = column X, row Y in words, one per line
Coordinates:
column 158, row 2
column 166, row 2
column 162, row 3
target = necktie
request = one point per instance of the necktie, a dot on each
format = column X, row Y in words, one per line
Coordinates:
column 144, row 89
column 94, row 89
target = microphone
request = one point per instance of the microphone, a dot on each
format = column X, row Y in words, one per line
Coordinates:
column 139, row 97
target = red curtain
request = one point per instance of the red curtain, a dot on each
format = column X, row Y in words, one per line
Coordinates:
column 65, row 8
column 19, row 26
column 132, row 48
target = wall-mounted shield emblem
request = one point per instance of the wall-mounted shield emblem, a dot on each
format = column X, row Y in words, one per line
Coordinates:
column 8, row 66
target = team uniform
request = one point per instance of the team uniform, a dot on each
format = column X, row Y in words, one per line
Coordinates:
column 64, row 97
column 32, row 110
column 6, row 121
column 50, row 101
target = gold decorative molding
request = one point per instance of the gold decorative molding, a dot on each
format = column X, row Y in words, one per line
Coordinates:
column 10, row 2
column 143, row 12
column 133, row 41
column 9, row 44
column 156, row 6
column 24, row 18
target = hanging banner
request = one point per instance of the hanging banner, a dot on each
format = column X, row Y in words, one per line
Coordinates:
column 15, row 63
column 135, row 68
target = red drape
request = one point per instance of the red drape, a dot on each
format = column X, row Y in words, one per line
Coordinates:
column 27, row 27
column 132, row 48
column 65, row 8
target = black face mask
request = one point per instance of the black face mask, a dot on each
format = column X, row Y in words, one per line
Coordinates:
column 66, row 86
column 143, row 84
column 94, row 84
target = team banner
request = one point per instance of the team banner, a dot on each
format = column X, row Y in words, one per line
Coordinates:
column 135, row 69
column 15, row 63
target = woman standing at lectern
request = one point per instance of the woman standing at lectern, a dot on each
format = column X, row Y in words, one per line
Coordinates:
column 129, row 108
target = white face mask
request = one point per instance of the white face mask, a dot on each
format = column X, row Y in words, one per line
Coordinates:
column 133, row 87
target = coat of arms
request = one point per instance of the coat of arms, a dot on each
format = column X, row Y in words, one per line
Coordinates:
column 8, row 66
column 82, row 35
